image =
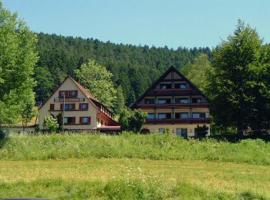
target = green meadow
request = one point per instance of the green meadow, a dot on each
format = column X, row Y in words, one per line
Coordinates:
column 130, row 166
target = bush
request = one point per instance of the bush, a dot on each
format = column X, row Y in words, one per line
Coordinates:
column 50, row 124
column 132, row 120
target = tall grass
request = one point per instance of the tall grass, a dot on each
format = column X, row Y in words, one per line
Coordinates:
column 165, row 147
column 117, row 189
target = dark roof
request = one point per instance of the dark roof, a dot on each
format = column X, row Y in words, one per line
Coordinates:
column 169, row 70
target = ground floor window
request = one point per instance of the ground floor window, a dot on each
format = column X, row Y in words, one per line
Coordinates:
column 183, row 132
column 85, row 120
column 161, row 130
column 69, row 120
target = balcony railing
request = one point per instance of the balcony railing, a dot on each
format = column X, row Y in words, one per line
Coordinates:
column 171, row 105
column 174, row 91
column 60, row 99
column 178, row 121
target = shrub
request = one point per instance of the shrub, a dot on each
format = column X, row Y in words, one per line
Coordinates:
column 50, row 124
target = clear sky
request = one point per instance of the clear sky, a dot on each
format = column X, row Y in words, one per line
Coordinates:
column 185, row 23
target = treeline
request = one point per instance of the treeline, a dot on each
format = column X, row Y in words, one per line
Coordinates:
column 134, row 68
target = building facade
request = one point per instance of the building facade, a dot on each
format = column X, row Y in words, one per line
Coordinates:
column 77, row 109
column 174, row 104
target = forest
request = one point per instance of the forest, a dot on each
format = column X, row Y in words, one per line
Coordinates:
column 134, row 68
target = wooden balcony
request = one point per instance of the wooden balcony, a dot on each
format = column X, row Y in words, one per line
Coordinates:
column 173, row 91
column 175, row 105
column 60, row 99
column 179, row 121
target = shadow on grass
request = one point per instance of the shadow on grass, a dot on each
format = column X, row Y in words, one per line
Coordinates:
column 237, row 138
column 3, row 138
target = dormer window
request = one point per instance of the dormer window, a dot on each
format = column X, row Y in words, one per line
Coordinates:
column 181, row 85
column 68, row 93
column 165, row 86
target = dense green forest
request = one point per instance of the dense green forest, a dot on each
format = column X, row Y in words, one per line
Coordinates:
column 133, row 67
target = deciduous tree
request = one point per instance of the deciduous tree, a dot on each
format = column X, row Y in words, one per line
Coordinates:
column 98, row 80
column 240, row 86
column 18, row 57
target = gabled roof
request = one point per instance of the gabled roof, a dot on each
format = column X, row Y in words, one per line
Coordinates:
column 171, row 69
column 84, row 91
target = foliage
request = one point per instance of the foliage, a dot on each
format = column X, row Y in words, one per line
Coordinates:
column 116, row 189
column 28, row 112
column 98, row 80
column 133, row 67
column 154, row 146
column 201, row 131
column 45, row 83
column 17, row 61
column 132, row 120
column 119, row 103
column 239, row 87
column 50, row 124
column 198, row 71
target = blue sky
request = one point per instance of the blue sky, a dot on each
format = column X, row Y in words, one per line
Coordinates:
column 185, row 23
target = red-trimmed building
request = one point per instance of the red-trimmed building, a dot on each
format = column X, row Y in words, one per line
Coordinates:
column 173, row 103
column 77, row 108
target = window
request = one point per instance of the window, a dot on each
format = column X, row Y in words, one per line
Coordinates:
column 69, row 120
column 181, row 85
column 68, row 106
column 165, row 85
column 151, row 116
column 83, row 106
column 182, row 132
column 182, row 115
column 196, row 100
column 164, row 115
column 68, row 93
column 149, row 101
column 164, row 101
column 85, row 120
column 51, row 106
column 182, row 100
column 198, row 115
column 161, row 130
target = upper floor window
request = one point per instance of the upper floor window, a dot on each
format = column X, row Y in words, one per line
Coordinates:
column 151, row 116
column 181, row 85
column 196, row 100
column 83, row 106
column 165, row 85
column 149, row 101
column 68, row 106
column 164, row 115
column 68, row 93
column 182, row 115
column 184, row 100
column 198, row 115
column 164, row 101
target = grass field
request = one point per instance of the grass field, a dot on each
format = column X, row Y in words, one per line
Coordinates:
column 133, row 167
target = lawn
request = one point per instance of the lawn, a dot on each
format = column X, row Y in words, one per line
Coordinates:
column 133, row 167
